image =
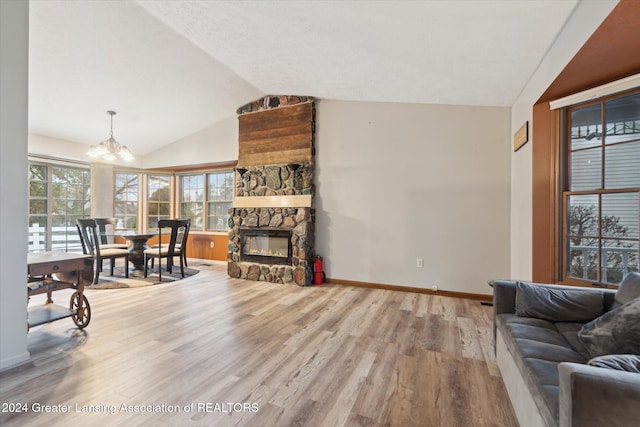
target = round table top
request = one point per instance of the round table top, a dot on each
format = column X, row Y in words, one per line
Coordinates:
column 140, row 236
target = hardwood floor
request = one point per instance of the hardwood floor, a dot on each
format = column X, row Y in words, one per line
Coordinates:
column 235, row 352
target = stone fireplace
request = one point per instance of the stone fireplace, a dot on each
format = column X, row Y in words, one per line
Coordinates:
column 272, row 223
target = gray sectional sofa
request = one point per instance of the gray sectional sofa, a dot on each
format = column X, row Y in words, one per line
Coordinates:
column 552, row 344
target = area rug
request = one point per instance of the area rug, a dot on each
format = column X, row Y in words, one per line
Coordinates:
column 118, row 281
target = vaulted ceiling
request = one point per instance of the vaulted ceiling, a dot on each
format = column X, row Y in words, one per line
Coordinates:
column 171, row 68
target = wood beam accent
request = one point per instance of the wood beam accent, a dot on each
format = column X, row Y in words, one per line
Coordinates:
column 198, row 167
column 277, row 136
column 295, row 201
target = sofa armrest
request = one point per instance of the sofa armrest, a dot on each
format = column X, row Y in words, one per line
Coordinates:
column 504, row 297
column 504, row 301
column 591, row 396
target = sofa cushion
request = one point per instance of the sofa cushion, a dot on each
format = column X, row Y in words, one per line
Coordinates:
column 544, row 374
column 569, row 330
column 537, row 339
column 619, row 362
column 512, row 319
column 629, row 289
column 546, row 351
column 558, row 305
column 537, row 348
column 615, row 332
column 538, row 334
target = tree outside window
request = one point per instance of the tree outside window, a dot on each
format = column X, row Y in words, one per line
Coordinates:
column 127, row 190
column 158, row 199
column 58, row 196
column 191, row 201
column 206, row 199
column 219, row 196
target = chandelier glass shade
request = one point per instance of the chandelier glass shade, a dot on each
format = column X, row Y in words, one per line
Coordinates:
column 110, row 149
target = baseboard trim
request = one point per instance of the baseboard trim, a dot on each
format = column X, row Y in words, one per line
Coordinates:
column 467, row 295
column 207, row 261
column 14, row 361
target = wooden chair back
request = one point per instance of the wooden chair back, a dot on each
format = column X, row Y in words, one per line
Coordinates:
column 91, row 243
column 183, row 233
column 178, row 227
column 106, row 230
column 89, row 236
column 169, row 251
column 84, row 245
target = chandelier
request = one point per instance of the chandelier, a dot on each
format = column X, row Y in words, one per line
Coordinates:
column 110, row 149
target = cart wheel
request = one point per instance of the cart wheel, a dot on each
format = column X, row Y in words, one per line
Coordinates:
column 79, row 304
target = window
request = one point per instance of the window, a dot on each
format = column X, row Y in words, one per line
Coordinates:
column 127, row 189
column 219, row 198
column 601, row 202
column 58, row 196
column 212, row 202
column 191, row 200
column 158, row 199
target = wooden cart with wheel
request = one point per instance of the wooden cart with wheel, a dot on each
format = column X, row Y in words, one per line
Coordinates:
column 53, row 271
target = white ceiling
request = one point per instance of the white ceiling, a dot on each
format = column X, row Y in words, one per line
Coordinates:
column 171, row 68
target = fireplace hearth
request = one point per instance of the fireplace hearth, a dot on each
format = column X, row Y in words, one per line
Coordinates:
column 265, row 246
column 297, row 223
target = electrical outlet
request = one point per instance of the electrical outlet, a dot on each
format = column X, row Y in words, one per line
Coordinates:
column 420, row 263
column 434, row 288
column 211, row 244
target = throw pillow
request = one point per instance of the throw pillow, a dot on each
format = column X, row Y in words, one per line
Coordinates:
column 558, row 305
column 619, row 362
column 629, row 289
column 615, row 332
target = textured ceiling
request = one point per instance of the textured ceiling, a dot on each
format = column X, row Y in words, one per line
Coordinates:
column 171, row 68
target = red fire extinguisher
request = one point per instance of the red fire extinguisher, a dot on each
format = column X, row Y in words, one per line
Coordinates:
column 318, row 274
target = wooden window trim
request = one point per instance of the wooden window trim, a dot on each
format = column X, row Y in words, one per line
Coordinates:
column 596, row 63
column 546, row 194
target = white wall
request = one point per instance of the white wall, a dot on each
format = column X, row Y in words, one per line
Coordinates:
column 102, row 191
column 70, row 150
column 397, row 182
column 581, row 24
column 14, row 54
column 216, row 143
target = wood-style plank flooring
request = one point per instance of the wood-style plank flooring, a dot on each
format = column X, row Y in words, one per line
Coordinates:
column 242, row 353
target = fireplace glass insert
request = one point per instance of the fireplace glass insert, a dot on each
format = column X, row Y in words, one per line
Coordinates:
column 265, row 246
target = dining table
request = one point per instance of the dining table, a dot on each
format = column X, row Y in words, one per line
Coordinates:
column 139, row 243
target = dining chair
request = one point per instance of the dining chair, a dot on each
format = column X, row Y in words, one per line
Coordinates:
column 89, row 235
column 181, row 242
column 84, row 245
column 106, row 232
column 170, row 250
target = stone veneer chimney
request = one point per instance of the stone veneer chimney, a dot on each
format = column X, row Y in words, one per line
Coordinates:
column 274, row 187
